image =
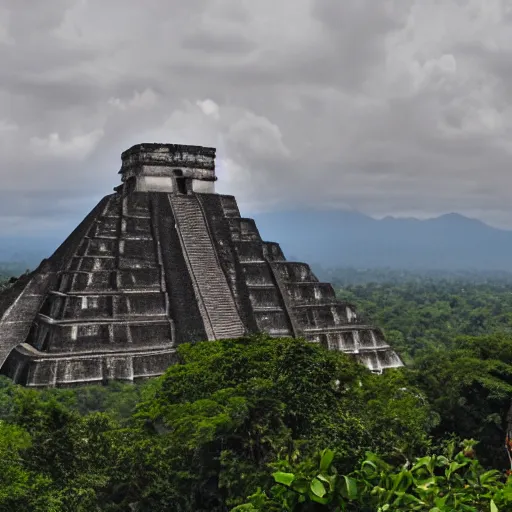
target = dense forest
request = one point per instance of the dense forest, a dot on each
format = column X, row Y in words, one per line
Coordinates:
column 261, row 424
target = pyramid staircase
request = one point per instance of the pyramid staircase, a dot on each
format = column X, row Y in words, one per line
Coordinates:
column 213, row 293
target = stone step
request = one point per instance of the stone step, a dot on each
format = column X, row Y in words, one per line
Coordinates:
column 211, row 281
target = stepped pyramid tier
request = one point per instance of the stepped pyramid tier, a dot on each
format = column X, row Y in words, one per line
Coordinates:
column 163, row 261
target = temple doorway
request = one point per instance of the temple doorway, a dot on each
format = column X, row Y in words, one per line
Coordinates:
column 181, row 182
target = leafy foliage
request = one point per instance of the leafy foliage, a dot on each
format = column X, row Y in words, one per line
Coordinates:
column 431, row 314
column 255, row 413
column 235, row 405
column 202, row 435
column 435, row 483
column 456, row 338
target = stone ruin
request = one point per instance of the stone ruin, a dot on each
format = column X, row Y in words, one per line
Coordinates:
column 163, row 261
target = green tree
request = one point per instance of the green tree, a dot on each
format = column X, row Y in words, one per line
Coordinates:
column 470, row 387
column 209, row 427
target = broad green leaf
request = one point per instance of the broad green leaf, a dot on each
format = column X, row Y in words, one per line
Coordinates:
column 402, row 481
column 317, row 488
column 284, row 478
column 369, row 467
column 410, row 498
column 420, row 463
column 494, row 508
column 442, row 461
column 454, row 466
column 425, row 484
column 325, row 461
column 440, row 502
column 330, row 480
column 492, row 475
column 300, row 485
column 351, row 486
column 317, row 499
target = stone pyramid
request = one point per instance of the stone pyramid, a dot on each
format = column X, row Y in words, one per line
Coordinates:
column 162, row 261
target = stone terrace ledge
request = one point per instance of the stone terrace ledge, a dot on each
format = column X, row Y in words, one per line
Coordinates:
column 168, row 156
column 168, row 168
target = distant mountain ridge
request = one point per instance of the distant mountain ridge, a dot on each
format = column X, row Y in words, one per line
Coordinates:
column 337, row 238
column 351, row 239
column 446, row 217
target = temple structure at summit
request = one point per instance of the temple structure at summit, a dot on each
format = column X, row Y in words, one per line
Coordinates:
column 165, row 260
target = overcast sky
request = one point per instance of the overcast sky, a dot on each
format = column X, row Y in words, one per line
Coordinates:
column 398, row 107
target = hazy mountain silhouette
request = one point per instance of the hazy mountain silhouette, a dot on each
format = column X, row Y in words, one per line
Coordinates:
column 348, row 239
column 352, row 239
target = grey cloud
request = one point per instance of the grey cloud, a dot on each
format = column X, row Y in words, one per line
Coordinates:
column 393, row 107
column 218, row 42
column 357, row 29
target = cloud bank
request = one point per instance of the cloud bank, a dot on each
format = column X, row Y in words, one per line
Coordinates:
column 396, row 107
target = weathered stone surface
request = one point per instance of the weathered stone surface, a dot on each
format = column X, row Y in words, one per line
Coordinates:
column 156, row 265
